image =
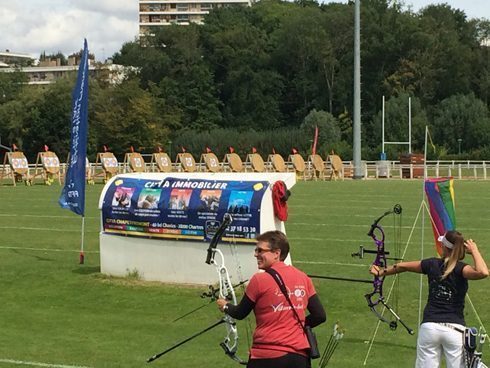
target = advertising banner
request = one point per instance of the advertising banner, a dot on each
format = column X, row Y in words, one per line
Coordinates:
column 190, row 209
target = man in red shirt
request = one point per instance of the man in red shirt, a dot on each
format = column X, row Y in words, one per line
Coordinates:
column 279, row 340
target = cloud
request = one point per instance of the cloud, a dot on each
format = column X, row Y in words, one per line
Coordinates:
column 58, row 25
column 120, row 8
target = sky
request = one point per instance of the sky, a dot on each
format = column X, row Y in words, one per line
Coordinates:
column 33, row 26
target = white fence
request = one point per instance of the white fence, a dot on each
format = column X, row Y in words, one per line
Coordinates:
column 382, row 170
column 395, row 170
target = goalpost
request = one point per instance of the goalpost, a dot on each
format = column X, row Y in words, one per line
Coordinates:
column 383, row 142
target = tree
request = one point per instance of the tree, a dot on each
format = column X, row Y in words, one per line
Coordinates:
column 250, row 90
column 462, row 117
column 50, row 120
column 172, row 67
column 328, row 129
column 301, row 45
column 17, row 115
column 11, row 85
column 446, row 58
column 337, row 55
column 127, row 115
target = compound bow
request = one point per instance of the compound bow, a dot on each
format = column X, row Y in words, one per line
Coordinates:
column 226, row 291
column 376, row 297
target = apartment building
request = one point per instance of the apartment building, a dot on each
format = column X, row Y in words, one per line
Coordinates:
column 15, row 59
column 160, row 13
column 49, row 70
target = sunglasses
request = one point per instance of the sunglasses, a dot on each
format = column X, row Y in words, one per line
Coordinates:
column 259, row 250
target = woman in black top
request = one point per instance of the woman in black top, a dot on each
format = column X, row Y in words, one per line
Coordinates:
column 443, row 323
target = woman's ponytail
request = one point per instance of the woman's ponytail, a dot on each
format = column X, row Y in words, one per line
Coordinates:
column 455, row 254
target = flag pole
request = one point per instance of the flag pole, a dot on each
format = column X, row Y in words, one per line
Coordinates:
column 82, row 255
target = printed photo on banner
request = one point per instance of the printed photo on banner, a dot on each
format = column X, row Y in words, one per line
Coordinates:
column 122, row 197
column 149, row 198
column 209, row 200
column 239, row 202
column 179, row 199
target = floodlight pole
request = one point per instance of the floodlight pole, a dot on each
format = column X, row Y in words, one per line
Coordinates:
column 410, row 125
column 383, row 155
column 358, row 174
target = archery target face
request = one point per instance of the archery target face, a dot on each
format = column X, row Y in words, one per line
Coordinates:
column 188, row 161
column 51, row 161
column 19, row 163
column 137, row 162
column 109, row 162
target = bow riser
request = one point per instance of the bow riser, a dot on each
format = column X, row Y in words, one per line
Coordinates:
column 376, row 297
column 216, row 258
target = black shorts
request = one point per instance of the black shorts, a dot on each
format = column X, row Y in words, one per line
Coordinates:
column 290, row 360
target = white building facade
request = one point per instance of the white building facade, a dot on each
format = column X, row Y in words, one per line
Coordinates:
column 160, row 13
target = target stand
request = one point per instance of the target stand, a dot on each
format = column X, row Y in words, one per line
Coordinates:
column 210, row 162
column 134, row 162
column 161, row 162
column 108, row 164
column 47, row 167
column 16, row 168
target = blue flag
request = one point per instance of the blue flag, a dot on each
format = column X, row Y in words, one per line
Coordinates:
column 73, row 193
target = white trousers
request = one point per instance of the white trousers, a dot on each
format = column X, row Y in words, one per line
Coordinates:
column 435, row 339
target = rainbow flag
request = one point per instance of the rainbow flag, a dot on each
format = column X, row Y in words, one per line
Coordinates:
column 440, row 195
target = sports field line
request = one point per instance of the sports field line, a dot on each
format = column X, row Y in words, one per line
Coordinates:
column 46, row 216
column 49, row 249
column 45, row 229
column 336, row 225
column 331, row 263
column 329, row 240
column 96, row 251
column 38, row 364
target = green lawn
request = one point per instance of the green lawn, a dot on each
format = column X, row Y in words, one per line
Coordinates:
column 55, row 311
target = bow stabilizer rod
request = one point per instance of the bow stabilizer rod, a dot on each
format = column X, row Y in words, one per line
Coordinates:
column 156, row 356
column 340, row 279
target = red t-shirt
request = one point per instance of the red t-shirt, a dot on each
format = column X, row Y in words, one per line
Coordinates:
column 277, row 329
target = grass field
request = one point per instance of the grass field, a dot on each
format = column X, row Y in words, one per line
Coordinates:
column 57, row 312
